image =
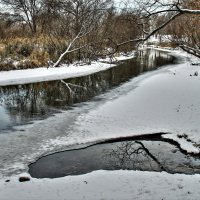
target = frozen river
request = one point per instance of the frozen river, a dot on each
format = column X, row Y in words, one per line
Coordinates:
column 128, row 100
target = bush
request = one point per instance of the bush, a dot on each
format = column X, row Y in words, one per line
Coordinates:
column 24, row 50
column 40, row 57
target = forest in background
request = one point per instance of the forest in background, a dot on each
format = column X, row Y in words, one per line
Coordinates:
column 36, row 33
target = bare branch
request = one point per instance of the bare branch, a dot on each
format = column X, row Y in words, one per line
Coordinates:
column 190, row 50
column 153, row 32
column 67, row 50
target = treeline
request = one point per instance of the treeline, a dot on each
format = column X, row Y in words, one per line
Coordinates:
column 35, row 33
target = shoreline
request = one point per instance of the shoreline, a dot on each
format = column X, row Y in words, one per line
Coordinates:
column 26, row 76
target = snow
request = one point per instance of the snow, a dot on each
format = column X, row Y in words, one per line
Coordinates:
column 15, row 77
column 167, row 101
column 156, row 39
column 178, row 53
column 189, row 146
column 116, row 185
column 47, row 74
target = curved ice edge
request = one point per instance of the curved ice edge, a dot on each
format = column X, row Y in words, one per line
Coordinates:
column 184, row 145
column 82, row 145
column 61, row 144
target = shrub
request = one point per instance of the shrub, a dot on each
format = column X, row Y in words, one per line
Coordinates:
column 40, row 57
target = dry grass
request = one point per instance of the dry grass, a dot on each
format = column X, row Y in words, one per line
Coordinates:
column 29, row 52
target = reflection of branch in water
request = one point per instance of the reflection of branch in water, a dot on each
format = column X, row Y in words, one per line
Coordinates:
column 68, row 87
column 128, row 154
column 151, row 155
column 73, row 85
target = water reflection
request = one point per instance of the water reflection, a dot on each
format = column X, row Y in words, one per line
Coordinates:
column 133, row 155
column 4, row 121
column 126, row 155
column 27, row 102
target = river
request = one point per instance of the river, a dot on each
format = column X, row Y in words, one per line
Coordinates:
column 42, row 118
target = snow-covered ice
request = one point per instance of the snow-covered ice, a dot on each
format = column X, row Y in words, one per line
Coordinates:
column 168, row 101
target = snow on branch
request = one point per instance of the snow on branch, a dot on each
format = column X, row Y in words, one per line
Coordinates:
column 66, row 51
column 188, row 11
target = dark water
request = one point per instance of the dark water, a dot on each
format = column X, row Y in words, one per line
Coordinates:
column 23, row 103
column 144, row 155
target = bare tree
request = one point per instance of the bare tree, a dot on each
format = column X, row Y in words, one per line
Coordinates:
column 83, row 18
column 50, row 15
column 28, row 9
column 149, row 10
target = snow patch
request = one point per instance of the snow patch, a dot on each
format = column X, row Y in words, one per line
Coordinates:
column 113, row 185
column 184, row 142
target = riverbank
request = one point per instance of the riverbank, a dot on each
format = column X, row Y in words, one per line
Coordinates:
column 25, row 76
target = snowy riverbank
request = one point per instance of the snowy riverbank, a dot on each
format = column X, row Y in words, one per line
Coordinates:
column 25, row 76
column 108, row 185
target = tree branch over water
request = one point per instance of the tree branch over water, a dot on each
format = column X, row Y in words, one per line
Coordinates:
column 150, row 11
